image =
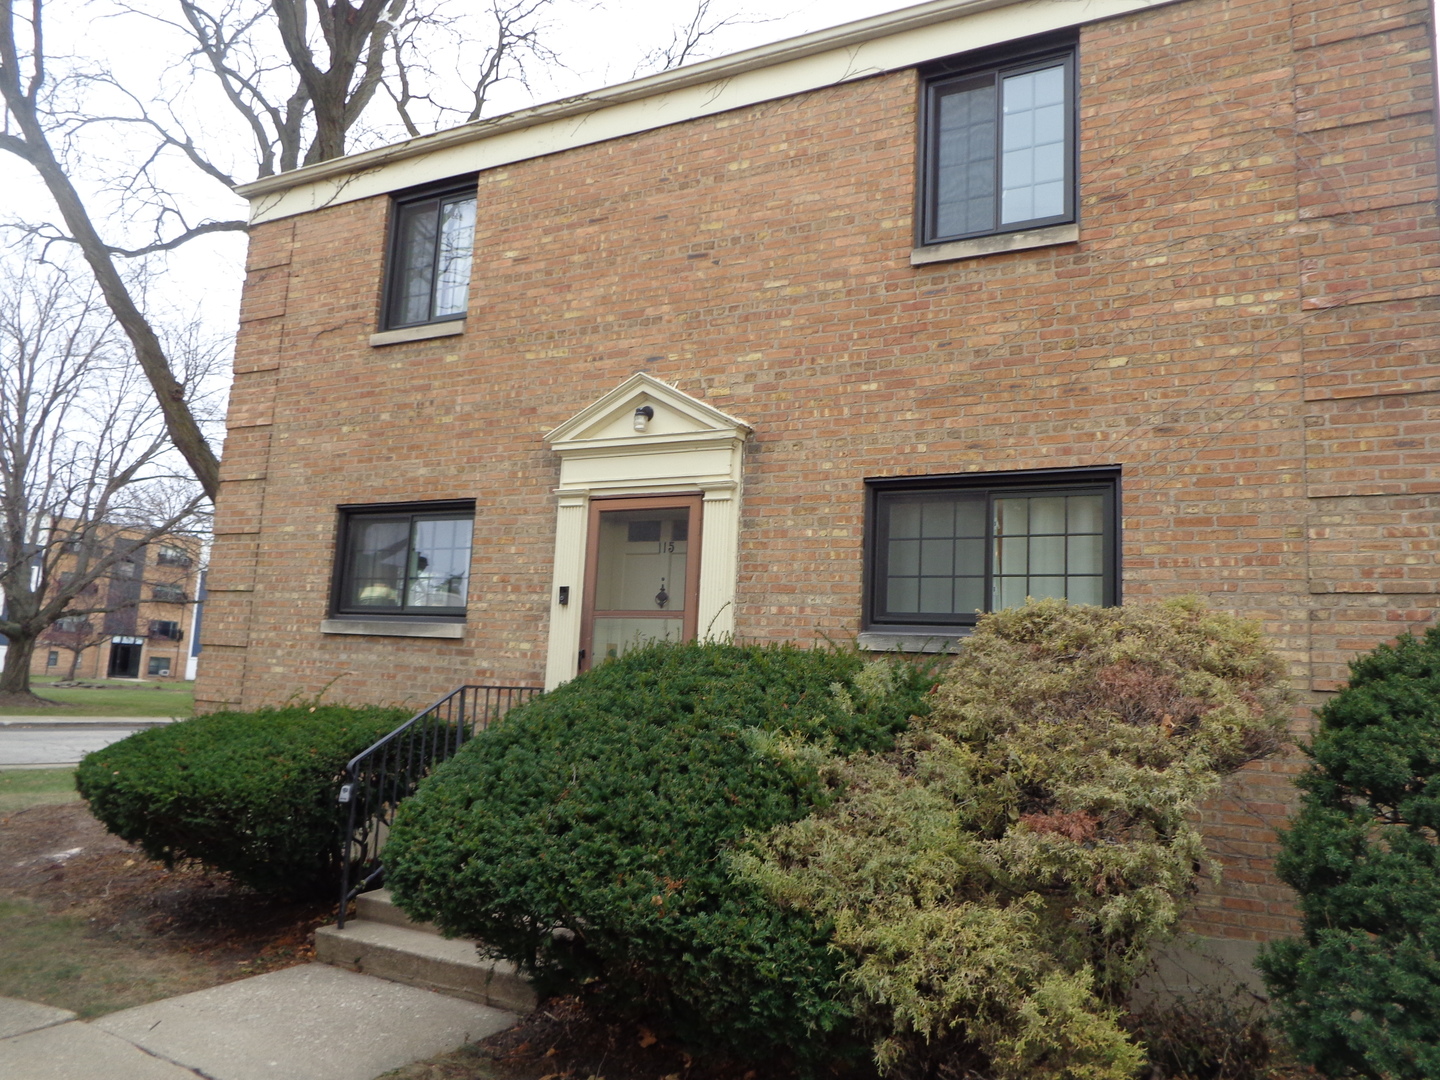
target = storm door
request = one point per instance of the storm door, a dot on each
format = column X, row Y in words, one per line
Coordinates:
column 642, row 574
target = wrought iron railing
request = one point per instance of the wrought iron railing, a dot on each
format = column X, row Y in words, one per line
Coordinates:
column 377, row 780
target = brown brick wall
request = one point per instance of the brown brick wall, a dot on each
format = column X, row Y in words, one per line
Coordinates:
column 1247, row 327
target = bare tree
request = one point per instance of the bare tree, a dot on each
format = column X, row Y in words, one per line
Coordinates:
column 300, row 84
column 687, row 39
column 85, row 480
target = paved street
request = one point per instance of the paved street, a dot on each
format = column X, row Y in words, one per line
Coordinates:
column 31, row 742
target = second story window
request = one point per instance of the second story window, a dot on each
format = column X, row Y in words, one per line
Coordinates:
column 998, row 148
column 431, row 242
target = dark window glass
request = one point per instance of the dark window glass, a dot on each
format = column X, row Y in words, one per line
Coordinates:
column 431, row 253
column 1000, row 149
column 941, row 554
column 410, row 563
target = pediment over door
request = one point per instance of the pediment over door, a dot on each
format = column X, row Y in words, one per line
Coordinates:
column 687, row 447
column 610, row 421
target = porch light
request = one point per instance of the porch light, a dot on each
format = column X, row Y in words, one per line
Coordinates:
column 643, row 415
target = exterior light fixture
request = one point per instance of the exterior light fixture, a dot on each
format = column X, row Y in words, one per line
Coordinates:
column 643, row 415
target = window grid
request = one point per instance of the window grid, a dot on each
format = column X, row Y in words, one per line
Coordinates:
column 431, row 255
column 404, row 563
column 940, row 555
column 999, row 149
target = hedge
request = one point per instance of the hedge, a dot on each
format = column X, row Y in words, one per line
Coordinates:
column 249, row 793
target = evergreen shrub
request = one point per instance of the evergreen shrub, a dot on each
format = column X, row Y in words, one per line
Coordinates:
column 995, row 878
column 583, row 836
column 1359, row 992
column 249, row 793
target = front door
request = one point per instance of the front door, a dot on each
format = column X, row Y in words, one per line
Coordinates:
column 125, row 661
column 642, row 574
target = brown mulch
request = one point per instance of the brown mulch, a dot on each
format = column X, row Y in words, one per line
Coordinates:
column 62, row 859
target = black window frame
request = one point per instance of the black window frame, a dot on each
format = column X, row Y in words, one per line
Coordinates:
column 391, row 291
column 347, row 515
column 1104, row 481
column 1034, row 55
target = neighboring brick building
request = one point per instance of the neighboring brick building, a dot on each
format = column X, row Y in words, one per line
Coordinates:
column 150, row 597
column 1164, row 322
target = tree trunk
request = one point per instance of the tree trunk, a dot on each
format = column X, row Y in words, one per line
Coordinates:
column 74, row 664
column 15, row 678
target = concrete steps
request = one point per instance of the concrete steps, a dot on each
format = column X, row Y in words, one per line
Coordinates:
column 381, row 940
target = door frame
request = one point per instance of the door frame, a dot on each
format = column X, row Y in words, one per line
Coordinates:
column 692, row 502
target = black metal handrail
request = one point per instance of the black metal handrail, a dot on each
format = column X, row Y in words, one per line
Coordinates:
column 378, row 779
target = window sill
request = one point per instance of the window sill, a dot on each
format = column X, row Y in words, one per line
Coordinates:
column 911, row 642
column 995, row 245
column 425, row 332
column 393, row 628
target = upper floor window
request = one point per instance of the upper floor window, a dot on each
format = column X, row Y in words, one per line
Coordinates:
column 998, row 146
column 944, row 549
column 404, row 560
column 432, row 239
column 173, row 556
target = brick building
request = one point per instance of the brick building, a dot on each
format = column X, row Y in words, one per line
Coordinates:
column 144, row 609
column 854, row 335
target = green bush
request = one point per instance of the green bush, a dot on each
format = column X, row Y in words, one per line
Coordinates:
column 583, row 836
column 252, row 794
column 997, row 876
column 1359, row 993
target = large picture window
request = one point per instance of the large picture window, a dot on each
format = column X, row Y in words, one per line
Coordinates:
column 998, row 147
column 943, row 550
column 431, row 247
column 407, row 560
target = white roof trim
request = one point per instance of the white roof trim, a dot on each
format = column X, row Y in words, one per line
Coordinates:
column 841, row 54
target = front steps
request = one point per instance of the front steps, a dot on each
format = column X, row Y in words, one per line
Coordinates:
column 381, row 940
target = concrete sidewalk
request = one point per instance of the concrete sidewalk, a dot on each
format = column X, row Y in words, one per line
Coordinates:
column 53, row 742
column 304, row 1023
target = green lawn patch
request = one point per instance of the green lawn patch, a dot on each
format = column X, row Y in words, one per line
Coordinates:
column 114, row 699
column 67, row 962
column 20, row 788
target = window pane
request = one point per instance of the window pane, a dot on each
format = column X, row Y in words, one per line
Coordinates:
column 1043, row 588
column 1047, row 516
column 902, row 595
column 904, row 557
column 937, row 595
column 969, row 594
column 1086, row 590
column 1085, row 555
column 965, row 159
column 457, row 244
column 1087, row 513
column 614, row 636
column 1012, row 555
column 415, row 261
column 1010, row 592
column 1047, row 555
column 1032, row 166
column 642, row 555
column 378, row 551
column 937, row 557
column 440, row 563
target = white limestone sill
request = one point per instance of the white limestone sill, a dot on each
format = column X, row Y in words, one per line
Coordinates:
column 995, row 245
column 393, row 628
column 872, row 641
column 451, row 328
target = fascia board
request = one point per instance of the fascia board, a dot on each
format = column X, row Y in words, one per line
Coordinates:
column 829, row 57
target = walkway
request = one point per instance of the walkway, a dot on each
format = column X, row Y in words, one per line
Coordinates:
column 53, row 742
column 304, row 1023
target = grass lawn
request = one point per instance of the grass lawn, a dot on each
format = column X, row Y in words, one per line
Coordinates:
column 115, row 698
column 20, row 788
column 71, row 962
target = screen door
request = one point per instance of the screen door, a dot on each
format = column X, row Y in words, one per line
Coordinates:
column 642, row 574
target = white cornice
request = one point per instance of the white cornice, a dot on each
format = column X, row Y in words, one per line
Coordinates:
column 840, row 54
